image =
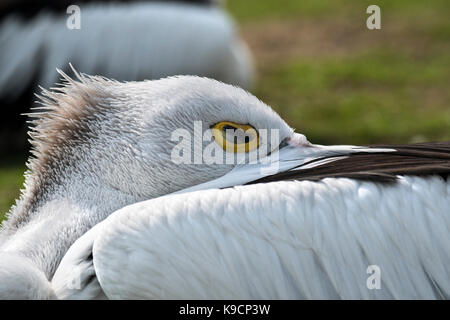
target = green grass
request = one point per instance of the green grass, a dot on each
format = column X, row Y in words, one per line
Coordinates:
column 260, row 10
column 333, row 79
column 376, row 97
column 256, row 10
column 11, row 181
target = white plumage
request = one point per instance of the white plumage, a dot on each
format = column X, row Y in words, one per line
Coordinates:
column 282, row 240
column 103, row 149
column 126, row 42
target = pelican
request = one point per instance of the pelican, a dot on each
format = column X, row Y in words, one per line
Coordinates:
column 125, row 41
column 121, row 201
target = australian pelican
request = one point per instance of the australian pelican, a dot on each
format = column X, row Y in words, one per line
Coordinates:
column 107, row 213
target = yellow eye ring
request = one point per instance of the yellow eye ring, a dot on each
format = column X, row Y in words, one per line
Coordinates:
column 224, row 129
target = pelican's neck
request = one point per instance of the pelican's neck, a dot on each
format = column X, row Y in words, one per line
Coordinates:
column 44, row 225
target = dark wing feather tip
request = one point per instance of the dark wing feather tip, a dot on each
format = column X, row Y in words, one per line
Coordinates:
column 421, row 159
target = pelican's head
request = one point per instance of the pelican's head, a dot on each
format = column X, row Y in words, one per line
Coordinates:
column 146, row 139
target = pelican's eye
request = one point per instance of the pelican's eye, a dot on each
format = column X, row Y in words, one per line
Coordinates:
column 235, row 137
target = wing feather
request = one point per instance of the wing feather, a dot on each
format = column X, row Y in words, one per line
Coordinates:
column 283, row 240
column 420, row 159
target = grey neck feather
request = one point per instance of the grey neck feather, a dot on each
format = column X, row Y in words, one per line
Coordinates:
column 33, row 249
column 31, row 252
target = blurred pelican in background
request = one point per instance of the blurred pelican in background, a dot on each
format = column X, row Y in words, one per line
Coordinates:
column 127, row 41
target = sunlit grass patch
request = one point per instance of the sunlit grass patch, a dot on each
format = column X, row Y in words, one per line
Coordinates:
column 11, row 181
column 253, row 10
column 375, row 97
column 259, row 10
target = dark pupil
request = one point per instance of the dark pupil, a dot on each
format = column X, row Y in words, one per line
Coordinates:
column 227, row 127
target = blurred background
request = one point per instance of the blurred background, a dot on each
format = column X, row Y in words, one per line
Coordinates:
column 326, row 74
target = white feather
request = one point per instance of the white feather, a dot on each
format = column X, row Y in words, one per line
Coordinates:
column 284, row 240
column 125, row 42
